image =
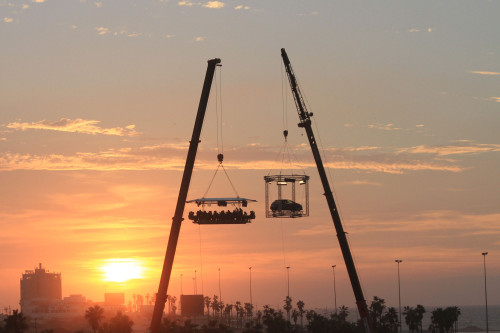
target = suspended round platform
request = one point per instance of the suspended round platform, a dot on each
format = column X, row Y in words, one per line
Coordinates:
column 281, row 196
column 235, row 216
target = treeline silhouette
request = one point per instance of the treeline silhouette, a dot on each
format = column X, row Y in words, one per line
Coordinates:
column 289, row 319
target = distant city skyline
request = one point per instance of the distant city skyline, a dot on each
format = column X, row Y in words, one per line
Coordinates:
column 98, row 105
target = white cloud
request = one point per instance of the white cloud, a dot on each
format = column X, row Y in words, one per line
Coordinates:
column 415, row 30
column 98, row 4
column 8, row 19
column 25, row 6
column 38, row 1
column 496, row 99
column 242, row 7
column 214, row 4
column 199, row 39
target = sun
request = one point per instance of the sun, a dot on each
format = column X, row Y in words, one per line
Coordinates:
column 121, row 270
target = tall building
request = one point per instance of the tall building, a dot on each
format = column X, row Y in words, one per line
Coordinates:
column 40, row 289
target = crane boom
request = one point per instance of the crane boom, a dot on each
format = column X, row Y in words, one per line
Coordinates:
column 305, row 122
column 161, row 296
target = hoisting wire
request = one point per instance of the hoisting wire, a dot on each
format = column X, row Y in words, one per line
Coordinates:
column 218, row 106
column 201, row 259
column 284, row 104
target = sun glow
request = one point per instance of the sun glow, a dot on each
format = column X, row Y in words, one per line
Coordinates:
column 121, row 270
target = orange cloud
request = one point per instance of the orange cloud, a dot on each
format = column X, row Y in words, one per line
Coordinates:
column 214, row 4
column 484, row 73
column 75, row 126
column 452, row 149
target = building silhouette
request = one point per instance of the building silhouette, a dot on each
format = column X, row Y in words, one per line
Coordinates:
column 39, row 290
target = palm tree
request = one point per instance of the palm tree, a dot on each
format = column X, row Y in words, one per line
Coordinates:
column 343, row 312
column 172, row 301
column 215, row 305
column 295, row 316
column 227, row 311
column 94, row 315
column 249, row 310
column 288, row 306
column 206, row 299
column 120, row 324
column 300, row 306
column 410, row 318
column 16, row 322
column 420, row 310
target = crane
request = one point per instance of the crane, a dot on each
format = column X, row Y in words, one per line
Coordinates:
column 161, row 296
column 305, row 122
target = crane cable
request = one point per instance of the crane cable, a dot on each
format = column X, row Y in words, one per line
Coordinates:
column 220, row 145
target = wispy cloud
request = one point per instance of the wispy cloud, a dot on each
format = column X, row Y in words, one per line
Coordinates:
column 414, row 30
column 364, row 182
column 496, row 99
column 134, row 34
column 459, row 149
column 485, row 73
column 75, row 126
column 241, row 7
column 309, row 14
column 172, row 157
column 102, row 30
column 362, row 148
column 385, row 127
column 185, row 3
column 8, row 19
column 199, row 39
column 209, row 4
column 38, row 1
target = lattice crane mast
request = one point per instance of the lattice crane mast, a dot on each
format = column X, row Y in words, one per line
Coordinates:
column 305, row 122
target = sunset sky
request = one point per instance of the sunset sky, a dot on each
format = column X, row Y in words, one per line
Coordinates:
column 98, row 101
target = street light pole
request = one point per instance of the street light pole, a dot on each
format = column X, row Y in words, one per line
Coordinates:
column 399, row 292
column 485, row 293
column 251, row 303
column 220, row 294
column 195, row 284
column 334, row 288
column 288, row 280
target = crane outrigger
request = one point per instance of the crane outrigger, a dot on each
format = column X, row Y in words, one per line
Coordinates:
column 305, row 122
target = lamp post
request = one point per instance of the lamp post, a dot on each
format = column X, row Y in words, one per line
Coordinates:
column 288, row 292
column 398, row 261
column 195, row 283
column 220, row 294
column 334, row 288
column 251, row 303
column 485, row 293
column 288, row 280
